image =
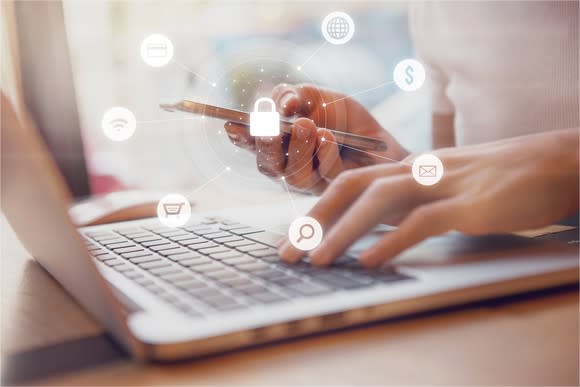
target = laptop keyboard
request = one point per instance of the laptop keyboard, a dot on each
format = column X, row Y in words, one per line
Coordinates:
column 219, row 265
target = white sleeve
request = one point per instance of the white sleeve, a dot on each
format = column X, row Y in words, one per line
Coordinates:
column 427, row 52
column 440, row 102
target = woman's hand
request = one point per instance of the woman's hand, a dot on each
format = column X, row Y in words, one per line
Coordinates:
column 306, row 161
column 505, row 186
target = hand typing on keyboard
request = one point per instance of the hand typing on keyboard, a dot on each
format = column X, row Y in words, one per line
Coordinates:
column 218, row 266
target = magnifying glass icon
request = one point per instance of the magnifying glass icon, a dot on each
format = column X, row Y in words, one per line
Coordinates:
column 306, row 231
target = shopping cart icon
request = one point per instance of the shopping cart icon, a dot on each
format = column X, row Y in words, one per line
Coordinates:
column 172, row 208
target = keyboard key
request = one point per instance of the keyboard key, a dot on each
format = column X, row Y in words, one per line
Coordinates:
column 191, row 240
column 167, row 246
column 222, row 302
column 182, row 237
column 213, row 266
column 269, row 273
column 132, row 274
column 152, row 243
column 213, row 250
column 252, row 289
column 118, row 245
column 191, row 285
column 226, row 254
column 156, row 289
column 205, row 230
column 149, row 238
column 123, row 267
column 252, row 247
column 175, row 251
column 143, row 281
column 145, row 258
column 307, row 288
column 154, row 265
column 219, row 234
column 285, row 281
column 142, row 234
column 135, row 254
column 237, row 282
column 245, row 230
column 230, row 225
column 340, row 281
column 202, row 245
column 196, row 261
column 105, row 257
column 180, row 276
column 238, row 260
column 266, row 237
column 267, row 297
column 131, row 249
column 162, row 271
column 254, row 266
column 268, row 252
column 243, row 242
column 174, row 233
column 114, row 262
column 128, row 230
column 184, row 256
column 221, row 274
column 231, row 238
column 206, row 292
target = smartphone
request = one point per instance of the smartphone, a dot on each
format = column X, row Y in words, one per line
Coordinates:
column 350, row 140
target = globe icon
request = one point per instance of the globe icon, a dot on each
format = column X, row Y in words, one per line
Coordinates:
column 337, row 27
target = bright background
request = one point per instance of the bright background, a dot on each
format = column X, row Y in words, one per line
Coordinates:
column 228, row 43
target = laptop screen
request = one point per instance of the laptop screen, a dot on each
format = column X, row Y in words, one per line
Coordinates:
column 48, row 88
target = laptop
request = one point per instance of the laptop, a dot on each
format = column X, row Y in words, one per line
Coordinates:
column 217, row 284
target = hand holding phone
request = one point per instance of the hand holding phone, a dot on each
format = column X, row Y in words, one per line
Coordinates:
column 332, row 133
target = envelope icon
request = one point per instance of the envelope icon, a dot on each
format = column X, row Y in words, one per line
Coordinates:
column 427, row 171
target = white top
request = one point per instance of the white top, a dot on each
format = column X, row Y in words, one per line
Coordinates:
column 503, row 68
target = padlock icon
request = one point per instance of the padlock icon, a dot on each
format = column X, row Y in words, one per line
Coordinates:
column 266, row 123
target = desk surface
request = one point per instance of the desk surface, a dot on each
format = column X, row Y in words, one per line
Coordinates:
column 531, row 340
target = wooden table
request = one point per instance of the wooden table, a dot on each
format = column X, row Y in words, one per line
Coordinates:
column 525, row 340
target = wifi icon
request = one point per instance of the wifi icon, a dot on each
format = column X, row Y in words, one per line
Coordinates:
column 118, row 123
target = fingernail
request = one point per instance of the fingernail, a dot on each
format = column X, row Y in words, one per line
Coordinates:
column 284, row 101
column 233, row 136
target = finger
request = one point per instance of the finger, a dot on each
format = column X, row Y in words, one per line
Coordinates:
column 299, row 171
column 270, row 155
column 330, row 163
column 300, row 99
column 382, row 196
column 336, row 199
column 425, row 221
column 239, row 135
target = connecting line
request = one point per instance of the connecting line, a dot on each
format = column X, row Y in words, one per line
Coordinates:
column 369, row 153
column 360, row 92
column 226, row 169
column 169, row 119
column 310, row 57
column 194, row 73
column 289, row 196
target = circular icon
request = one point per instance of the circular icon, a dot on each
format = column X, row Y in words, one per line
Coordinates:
column 337, row 28
column 409, row 74
column 173, row 210
column 118, row 123
column 156, row 50
column 427, row 169
column 305, row 233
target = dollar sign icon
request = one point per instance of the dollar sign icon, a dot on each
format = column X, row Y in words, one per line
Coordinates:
column 409, row 78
